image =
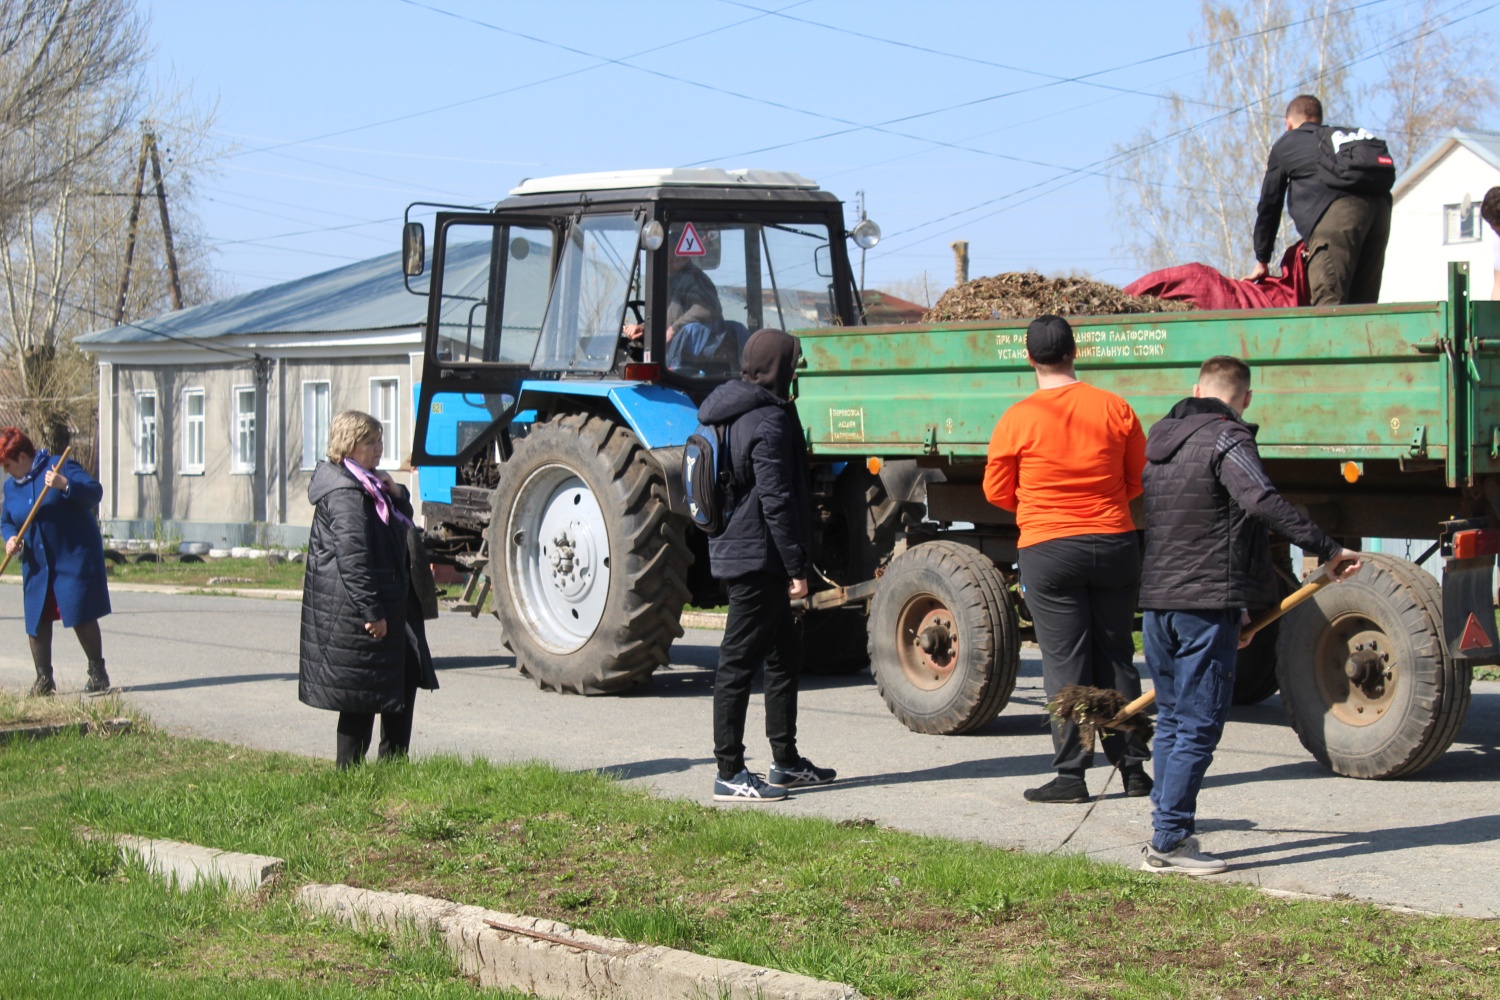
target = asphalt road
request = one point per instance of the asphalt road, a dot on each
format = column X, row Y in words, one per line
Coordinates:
column 226, row 668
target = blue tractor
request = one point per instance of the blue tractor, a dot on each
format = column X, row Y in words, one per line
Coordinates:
column 571, row 333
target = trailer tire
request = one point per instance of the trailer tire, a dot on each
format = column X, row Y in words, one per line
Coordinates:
column 1387, row 617
column 588, row 563
column 1255, row 677
column 956, row 597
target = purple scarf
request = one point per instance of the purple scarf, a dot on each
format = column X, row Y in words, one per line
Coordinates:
column 373, row 486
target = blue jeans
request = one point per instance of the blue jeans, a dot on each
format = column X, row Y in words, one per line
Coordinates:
column 1191, row 656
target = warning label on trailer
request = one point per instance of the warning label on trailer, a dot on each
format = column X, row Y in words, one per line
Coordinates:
column 688, row 244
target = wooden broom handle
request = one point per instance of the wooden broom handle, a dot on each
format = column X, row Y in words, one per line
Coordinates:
column 1289, row 602
column 34, row 508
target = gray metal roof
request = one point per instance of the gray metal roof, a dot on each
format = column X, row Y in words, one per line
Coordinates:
column 364, row 296
column 1485, row 145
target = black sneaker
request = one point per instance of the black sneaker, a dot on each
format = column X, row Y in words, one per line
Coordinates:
column 746, row 787
column 1060, row 789
column 803, row 772
column 1138, row 783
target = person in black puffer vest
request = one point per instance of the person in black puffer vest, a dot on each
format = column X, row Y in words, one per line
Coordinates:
column 364, row 644
column 1208, row 558
column 762, row 556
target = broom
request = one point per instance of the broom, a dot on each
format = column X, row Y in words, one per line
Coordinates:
column 34, row 508
column 1101, row 708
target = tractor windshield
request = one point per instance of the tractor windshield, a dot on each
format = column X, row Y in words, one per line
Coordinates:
column 581, row 331
column 729, row 279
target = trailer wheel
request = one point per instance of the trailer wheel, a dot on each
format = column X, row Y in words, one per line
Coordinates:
column 588, row 563
column 1255, row 669
column 944, row 642
column 1365, row 673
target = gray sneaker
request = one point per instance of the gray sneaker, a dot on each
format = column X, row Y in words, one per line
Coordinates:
column 1187, row 858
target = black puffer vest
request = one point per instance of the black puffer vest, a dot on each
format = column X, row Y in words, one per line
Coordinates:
column 1203, row 550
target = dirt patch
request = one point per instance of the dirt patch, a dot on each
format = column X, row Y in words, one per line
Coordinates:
column 1026, row 295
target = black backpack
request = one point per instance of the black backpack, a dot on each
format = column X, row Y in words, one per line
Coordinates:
column 709, row 485
column 1355, row 160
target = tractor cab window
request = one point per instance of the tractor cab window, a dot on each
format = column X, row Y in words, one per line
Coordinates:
column 728, row 279
column 581, row 331
column 494, row 292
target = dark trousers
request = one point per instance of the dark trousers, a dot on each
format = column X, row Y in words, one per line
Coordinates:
column 355, row 729
column 1191, row 656
column 1081, row 592
column 1346, row 251
column 760, row 628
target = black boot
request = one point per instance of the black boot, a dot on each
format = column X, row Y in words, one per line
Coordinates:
column 1063, row 788
column 1138, row 783
column 44, row 685
column 41, row 658
column 98, row 679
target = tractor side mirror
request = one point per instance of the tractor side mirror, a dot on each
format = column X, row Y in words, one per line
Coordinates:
column 413, row 249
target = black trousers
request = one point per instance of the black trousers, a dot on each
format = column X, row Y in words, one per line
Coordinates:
column 1081, row 592
column 760, row 629
column 355, row 729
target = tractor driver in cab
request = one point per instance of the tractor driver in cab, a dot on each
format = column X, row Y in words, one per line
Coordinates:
column 694, row 311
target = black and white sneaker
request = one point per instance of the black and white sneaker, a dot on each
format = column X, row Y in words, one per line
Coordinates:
column 803, row 772
column 746, row 787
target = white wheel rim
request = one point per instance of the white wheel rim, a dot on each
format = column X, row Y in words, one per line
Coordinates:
column 559, row 558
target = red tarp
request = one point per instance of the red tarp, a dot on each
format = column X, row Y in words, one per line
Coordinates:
column 1206, row 288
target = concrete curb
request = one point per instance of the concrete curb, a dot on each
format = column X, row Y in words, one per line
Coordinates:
column 183, row 865
column 704, row 619
column 41, row 730
column 203, row 590
column 550, row 959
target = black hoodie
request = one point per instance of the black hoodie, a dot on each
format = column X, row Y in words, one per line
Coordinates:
column 1208, row 505
column 770, row 524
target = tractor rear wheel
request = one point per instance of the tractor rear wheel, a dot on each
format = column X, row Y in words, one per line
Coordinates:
column 588, row 563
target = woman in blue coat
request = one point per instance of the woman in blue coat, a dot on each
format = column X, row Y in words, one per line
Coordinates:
column 61, row 555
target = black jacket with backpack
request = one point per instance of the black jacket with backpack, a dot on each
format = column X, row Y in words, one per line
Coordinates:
column 770, row 524
column 1208, row 505
column 1300, row 172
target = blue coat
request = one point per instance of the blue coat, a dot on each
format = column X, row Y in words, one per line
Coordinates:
column 63, row 549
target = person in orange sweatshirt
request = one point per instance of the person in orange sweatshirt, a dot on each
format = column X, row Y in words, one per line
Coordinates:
column 1067, row 460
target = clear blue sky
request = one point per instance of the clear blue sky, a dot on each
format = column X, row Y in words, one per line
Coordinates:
column 338, row 113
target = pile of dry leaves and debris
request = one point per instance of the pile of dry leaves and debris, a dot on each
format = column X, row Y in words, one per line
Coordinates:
column 1026, row 295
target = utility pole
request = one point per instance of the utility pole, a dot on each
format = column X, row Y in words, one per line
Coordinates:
column 960, row 261
column 860, row 195
column 148, row 151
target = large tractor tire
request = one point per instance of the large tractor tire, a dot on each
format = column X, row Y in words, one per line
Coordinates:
column 1365, row 674
column 1255, row 669
column 589, row 565
column 945, row 645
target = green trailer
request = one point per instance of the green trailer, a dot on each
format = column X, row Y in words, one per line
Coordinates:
column 1380, row 421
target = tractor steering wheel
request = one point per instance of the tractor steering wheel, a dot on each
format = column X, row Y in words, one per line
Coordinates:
column 637, row 306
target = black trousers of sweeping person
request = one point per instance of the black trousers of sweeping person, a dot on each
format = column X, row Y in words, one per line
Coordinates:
column 1081, row 592
column 355, row 729
column 760, row 629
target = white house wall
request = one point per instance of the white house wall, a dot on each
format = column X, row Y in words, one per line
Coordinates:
column 1416, row 258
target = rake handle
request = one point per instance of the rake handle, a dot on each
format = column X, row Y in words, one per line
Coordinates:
column 36, row 506
column 1265, row 618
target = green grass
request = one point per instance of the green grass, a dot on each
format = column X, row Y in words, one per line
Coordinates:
column 258, row 572
column 895, row 915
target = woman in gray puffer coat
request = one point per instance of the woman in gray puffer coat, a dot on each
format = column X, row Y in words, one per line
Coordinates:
column 364, row 646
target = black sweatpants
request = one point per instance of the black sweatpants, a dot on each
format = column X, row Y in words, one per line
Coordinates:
column 355, row 729
column 1081, row 592
column 760, row 628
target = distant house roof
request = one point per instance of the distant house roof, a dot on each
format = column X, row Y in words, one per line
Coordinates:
column 369, row 295
column 1485, row 145
column 882, row 308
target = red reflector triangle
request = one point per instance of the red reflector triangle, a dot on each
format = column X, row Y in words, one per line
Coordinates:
column 1474, row 637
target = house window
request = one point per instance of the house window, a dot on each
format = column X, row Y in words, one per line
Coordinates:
column 242, row 433
column 145, row 432
column 314, row 422
column 1460, row 226
column 385, row 394
column 192, row 431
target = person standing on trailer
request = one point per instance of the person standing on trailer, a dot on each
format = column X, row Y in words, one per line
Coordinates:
column 1489, row 211
column 762, row 556
column 1067, row 460
column 1208, row 558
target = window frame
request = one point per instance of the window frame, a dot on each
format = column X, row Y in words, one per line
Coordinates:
column 1455, row 211
column 142, row 467
column 390, row 430
column 312, row 449
column 189, row 422
column 236, row 467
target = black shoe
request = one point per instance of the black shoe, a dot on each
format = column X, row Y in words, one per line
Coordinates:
column 44, row 686
column 1060, row 789
column 1138, row 783
column 98, row 678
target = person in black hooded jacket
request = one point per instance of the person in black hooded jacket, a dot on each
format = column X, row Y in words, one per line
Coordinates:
column 363, row 644
column 1208, row 558
column 762, row 556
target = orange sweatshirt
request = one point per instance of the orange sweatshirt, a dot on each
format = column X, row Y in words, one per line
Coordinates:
column 1068, row 461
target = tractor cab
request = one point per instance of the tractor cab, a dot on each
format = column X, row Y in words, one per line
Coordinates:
column 632, row 288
